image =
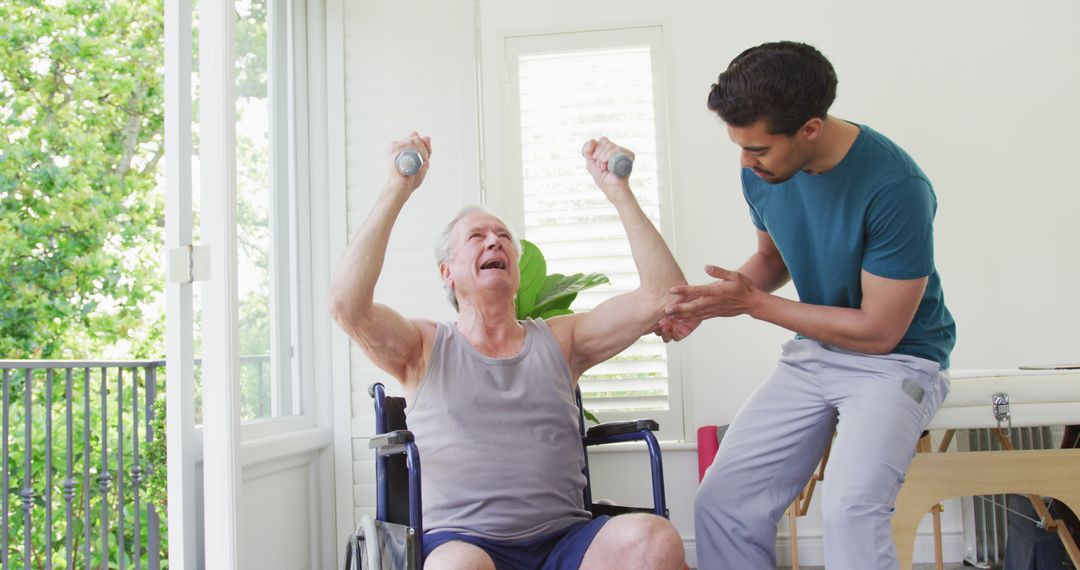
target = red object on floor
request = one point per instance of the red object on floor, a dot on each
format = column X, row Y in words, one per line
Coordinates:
column 707, row 444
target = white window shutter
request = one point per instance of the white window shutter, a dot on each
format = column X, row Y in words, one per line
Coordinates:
column 566, row 99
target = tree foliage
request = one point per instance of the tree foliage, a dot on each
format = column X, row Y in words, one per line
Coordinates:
column 81, row 135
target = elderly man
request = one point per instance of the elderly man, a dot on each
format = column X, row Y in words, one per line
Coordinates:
column 490, row 398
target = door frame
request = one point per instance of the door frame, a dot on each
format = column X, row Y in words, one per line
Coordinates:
column 206, row 482
column 183, row 443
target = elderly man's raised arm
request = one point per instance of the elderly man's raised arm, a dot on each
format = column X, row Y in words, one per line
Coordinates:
column 394, row 343
column 617, row 323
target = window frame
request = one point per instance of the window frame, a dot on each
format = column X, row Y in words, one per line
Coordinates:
column 290, row 225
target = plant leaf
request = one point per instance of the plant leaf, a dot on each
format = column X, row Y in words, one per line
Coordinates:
column 550, row 282
column 533, row 270
column 563, row 302
column 561, row 290
column 555, row 313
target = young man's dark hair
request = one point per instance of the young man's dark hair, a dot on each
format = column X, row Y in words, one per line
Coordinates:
column 785, row 83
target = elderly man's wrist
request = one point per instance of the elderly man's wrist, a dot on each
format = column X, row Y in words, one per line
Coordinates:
column 619, row 194
column 397, row 188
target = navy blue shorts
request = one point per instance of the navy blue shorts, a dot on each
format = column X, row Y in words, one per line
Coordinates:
column 555, row 551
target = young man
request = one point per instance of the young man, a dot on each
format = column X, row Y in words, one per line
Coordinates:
column 490, row 399
column 847, row 215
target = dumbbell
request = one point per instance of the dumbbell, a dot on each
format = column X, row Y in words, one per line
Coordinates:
column 409, row 162
column 620, row 164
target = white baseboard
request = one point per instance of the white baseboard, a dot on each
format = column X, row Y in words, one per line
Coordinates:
column 690, row 546
column 812, row 549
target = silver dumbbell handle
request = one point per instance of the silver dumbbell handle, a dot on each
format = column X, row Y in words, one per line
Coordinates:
column 409, row 162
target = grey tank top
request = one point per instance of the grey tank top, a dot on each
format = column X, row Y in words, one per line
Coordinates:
column 499, row 444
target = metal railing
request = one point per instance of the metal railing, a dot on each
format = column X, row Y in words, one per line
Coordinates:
column 77, row 432
column 260, row 363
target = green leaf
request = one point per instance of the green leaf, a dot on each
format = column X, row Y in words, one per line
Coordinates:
column 533, row 270
column 551, row 284
column 539, row 294
column 562, row 290
column 562, row 302
column 555, row 313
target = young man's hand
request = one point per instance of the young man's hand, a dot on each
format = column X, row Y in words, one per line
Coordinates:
column 734, row 294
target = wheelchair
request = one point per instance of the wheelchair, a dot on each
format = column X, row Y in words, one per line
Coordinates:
column 393, row 538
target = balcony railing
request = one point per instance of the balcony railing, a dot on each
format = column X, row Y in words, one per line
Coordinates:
column 75, row 439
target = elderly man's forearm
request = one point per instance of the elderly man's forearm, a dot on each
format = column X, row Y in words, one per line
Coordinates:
column 657, row 270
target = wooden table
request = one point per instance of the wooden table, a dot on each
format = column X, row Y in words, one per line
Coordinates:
column 1036, row 398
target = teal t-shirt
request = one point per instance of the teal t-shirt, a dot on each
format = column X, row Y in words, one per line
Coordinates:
column 874, row 211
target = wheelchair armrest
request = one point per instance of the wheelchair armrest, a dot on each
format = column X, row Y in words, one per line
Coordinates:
column 634, row 430
column 391, row 442
column 619, row 428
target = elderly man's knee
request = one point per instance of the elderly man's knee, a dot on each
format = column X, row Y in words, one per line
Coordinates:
column 457, row 555
column 655, row 536
column 660, row 531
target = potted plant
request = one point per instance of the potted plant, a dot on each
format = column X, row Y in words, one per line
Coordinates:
column 542, row 296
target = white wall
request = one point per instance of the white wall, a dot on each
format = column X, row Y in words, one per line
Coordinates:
column 408, row 66
column 981, row 94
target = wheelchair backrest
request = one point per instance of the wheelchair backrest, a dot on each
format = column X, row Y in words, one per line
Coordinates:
column 390, row 416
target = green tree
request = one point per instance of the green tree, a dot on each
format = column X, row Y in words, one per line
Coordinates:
column 81, row 117
column 81, row 137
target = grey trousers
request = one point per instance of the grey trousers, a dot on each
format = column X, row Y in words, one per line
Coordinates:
column 878, row 406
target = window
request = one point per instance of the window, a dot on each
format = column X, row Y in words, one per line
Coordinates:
column 269, row 384
column 269, row 233
column 566, row 89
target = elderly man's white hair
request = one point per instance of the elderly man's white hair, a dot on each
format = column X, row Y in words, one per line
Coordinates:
column 442, row 247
